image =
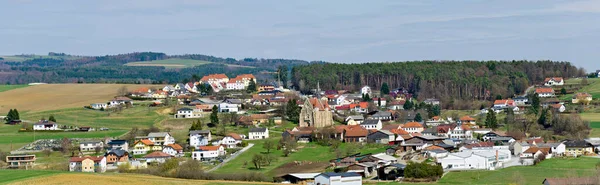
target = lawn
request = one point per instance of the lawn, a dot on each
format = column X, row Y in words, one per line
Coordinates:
column 11, row 87
column 17, row 175
column 170, row 63
column 593, row 87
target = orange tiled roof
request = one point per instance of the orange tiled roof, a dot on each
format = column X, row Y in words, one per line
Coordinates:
column 467, row 118
column 556, row 106
column 145, row 142
column 213, row 76
column 364, row 105
column 557, row 79
column 176, row 146
column 320, row 104
column 544, row 90
column 157, row 154
column 582, row 95
column 399, row 131
column 210, row 148
column 235, row 136
column 413, row 125
column 356, row 131
column 391, row 126
column 433, row 147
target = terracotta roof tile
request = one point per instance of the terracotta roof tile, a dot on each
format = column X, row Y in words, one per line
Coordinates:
column 235, row 136
column 356, row 131
column 145, row 142
column 544, row 90
column 79, row 159
column 210, row 148
column 175, row 146
column 413, row 125
column 157, row 154
column 467, row 118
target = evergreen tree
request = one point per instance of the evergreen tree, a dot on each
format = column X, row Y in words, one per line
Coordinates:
column 214, row 116
column 563, row 91
column 535, row 104
column 510, row 117
column 435, row 110
column 292, row 111
column 385, row 89
column 418, row 117
column 408, row 105
column 366, row 98
column 251, row 86
column 379, row 102
column 545, row 118
column 490, row 119
column 10, row 116
column 51, row 118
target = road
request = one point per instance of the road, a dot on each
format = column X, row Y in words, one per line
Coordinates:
column 233, row 156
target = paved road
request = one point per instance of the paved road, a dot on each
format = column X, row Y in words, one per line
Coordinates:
column 233, row 156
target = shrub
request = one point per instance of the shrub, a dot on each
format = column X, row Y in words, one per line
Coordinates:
column 423, row 170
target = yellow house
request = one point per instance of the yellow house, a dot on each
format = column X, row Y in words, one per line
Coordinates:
column 584, row 98
column 143, row 146
column 578, row 148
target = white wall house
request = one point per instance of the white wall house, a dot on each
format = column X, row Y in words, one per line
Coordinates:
column 99, row 106
column 228, row 141
column 227, row 107
column 413, row 127
column 88, row 164
column 161, row 138
column 45, row 125
column 460, row 132
column 372, row 124
column 365, row 90
column 258, row 133
column 554, row 81
column 331, row 178
column 545, row 92
column 199, row 138
column 474, row 159
column 206, row 153
column 90, row 146
column 188, row 113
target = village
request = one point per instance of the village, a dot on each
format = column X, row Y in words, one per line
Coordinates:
column 403, row 130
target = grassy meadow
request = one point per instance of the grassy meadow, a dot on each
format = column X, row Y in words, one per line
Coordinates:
column 10, row 87
column 21, row 58
column 19, row 175
column 593, row 87
column 170, row 63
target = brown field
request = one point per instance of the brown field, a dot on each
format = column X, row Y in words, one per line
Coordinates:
column 60, row 96
column 157, row 65
column 110, row 179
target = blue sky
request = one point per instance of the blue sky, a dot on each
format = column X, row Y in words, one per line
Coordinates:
column 332, row 30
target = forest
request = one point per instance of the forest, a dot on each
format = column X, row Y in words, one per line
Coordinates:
column 111, row 68
column 448, row 81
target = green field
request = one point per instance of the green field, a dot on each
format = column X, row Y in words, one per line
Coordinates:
column 16, row 175
column 170, row 63
column 11, row 87
column 593, row 87
column 21, row 58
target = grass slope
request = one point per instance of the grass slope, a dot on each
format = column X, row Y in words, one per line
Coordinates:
column 10, row 87
column 105, row 179
column 22, row 58
column 60, row 96
column 16, row 175
column 593, row 87
column 170, row 63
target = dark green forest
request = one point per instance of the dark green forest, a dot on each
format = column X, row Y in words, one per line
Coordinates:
column 111, row 69
column 449, row 80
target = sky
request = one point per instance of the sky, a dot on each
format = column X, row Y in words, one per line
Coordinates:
column 345, row 31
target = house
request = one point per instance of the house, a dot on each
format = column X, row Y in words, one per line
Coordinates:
column 90, row 146
column 371, row 124
column 360, row 107
column 214, row 78
column 365, row 169
column 545, row 92
column 258, row 133
column 331, row 178
column 188, row 113
column 266, row 87
column 432, row 101
column 99, row 106
column 417, row 143
column 355, row 133
column 376, row 102
column 315, row 113
column 578, row 148
column 199, row 138
column 161, row 138
column 396, row 105
column 174, row 150
column 381, row 137
column 191, row 86
column 521, row 100
column 490, row 135
column 503, row 140
column 116, row 156
column 558, row 107
column 460, row 132
column 413, row 127
column 88, row 164
column 228, row 107
column 571, row 180
column 354, row 120
column 169, row 88
column 20, row 161
column 535, row 152
column 558, row 149
column 554, row 81
column 45, row 125
column 118, row 144
column 298, row 178
column 502, row 104
column 300, row 134
column 144, row 146
column 483, row 159
column 254, row 119
column 468, row 120
column 120, row 100
column 230, row 141
column 584, row 98
column 477, row 146
column 157, row 156
column 382, row 115
column 365, row 90
column 240, row 82
column 206, row 153
column 431, row 131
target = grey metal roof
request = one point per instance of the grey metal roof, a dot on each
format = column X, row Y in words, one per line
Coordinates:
column 158, row 134
column 185, row 109
column 90, row 142
column 259, row 129
column 356, row 117
column 382, row 114
column 117, row 152
column 117, row 142
column 304, row 175
column 332, row 174
column 200, row 132
column 370, row 122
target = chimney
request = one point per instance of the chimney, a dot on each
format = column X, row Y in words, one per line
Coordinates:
column 496, row 155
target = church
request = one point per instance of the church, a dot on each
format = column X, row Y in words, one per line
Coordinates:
column 315, row 113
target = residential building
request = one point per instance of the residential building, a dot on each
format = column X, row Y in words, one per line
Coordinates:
column 460, row 132
column 161, row 138
column 558, row 149
column 315, row 113
column 361, row 107
column 188, row 113
column 381, row 137
column 99, row 106
column 383, row 101
column 366, row 90
column 20, row 161
column 355, row 133
column 372, row 124
column 118, row 144
column 157, row 156
column 116, row 156
column 502, row 104
column 413, row 127
column 230, row 141
column 88, row 164
column 298, row 178
column 472, row 159
column 174, row 150
column 417, row 143
column 45, row 125
column 584, row 98
column 545, row 92
column 558, row 107
column 331, row 178
column 521, row 100
column 120, row 100
column 206, row 153
column 578, row 148
column 258, row 133
column 554, row 81
column 90, row 146
column 228, row 107
column 432, row 101
column 240, row 82
column 199, row 138
column 354, row 120
column 382, row 115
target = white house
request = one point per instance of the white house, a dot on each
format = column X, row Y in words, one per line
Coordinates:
column 169, row 88
column 118, row 145
column 230, row 141
column 227, row 107
column 188, row 113
column 99, row 106
column 372, row 124
column 174, row 150
column 157, row 156
column 559, row 107
column 161, row 138
column 545, row 92
column 554, row 81
column 376, row 102
column 432, row 101
column 341, row 100
column 474, row 159
column 199, row 138
column 90, row 146
column 413, row 127
column 45, row 125
column 365, row 90
column 88, row 164
column 331, row 178
column 501, row 104
column 258, row 133
column 354, row 120
column 191, row 86
column 460, row 132
column 598, row 71
column 521, row 100
column 206, row 153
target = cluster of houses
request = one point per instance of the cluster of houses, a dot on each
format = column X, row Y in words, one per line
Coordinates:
column 114, row 103
column 47, row 125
